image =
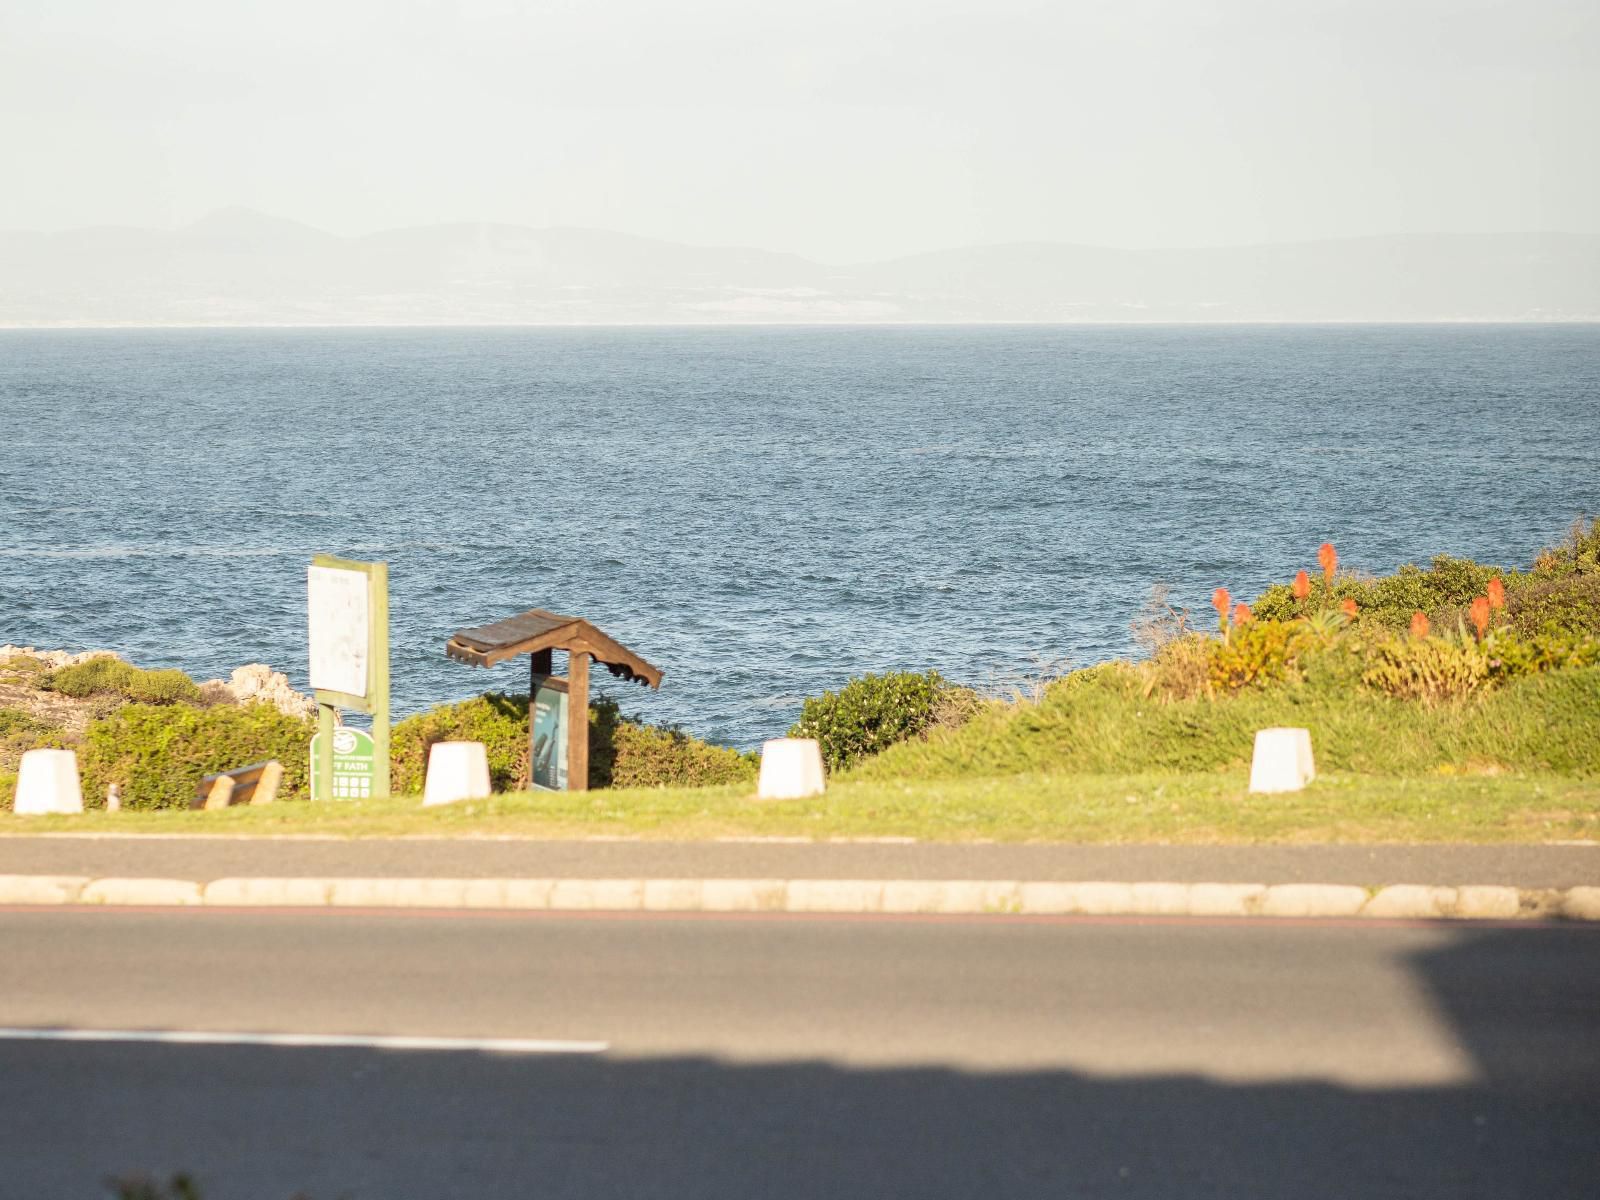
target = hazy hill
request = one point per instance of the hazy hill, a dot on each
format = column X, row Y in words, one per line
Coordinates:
column 239, row 267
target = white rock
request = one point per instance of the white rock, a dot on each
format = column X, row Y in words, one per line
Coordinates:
column 259, row 683
column 791, row 768
column 1282, row 761
column 456, row 771
column 47, row 782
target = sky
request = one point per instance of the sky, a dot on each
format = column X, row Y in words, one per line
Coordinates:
column 844, row 130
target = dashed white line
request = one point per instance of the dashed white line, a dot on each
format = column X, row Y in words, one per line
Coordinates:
column 206, row 1037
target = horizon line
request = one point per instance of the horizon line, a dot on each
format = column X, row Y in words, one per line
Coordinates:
column 1168, row 248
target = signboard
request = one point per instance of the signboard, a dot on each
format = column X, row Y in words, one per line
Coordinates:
column 340, row 612
column 548, row 718
column 347, row 637
column 354, row 765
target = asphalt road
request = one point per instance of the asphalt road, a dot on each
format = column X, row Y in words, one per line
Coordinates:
column 793, row 1057
column 204, row 858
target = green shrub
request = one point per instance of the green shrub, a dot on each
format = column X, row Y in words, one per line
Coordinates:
column 1446, row 587
column 869, row 714
column 500, row 722
column 112, row 677
column 1257, row 653
column 1545, row 604
column 1561, row 591
column 95, row 677
column 159, row 753
column 1579, row 554
column 656, row 756
column 169, row 686
column 623, row 752
column 1428, row 669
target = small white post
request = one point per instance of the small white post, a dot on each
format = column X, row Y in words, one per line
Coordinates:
column 47, row 782
column 456, row 771
column 790, row 769
column 1282, row 760
column 114, row 797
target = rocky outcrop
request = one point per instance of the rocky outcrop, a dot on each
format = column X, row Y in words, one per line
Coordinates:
column 259, row 683
column 252, row 683
column 54, row 659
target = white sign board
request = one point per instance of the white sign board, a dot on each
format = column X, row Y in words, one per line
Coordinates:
column 339, row 618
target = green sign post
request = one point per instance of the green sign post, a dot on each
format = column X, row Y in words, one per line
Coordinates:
column 348, row 628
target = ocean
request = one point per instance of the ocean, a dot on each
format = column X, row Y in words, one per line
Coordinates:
column 761, row 512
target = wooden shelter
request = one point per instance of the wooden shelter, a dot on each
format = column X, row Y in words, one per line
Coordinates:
column 538, row 633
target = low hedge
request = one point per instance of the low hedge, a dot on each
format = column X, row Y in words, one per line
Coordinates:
column 623, row 752
column 107, row 676
column 159, row 753
column 871, row 713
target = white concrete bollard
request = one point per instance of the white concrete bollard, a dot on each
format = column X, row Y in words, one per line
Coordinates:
column 790, row 768
column 1282, row 761
column 456, row 771
column 47, row 782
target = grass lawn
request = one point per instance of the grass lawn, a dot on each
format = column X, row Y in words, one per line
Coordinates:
column 1195, row 808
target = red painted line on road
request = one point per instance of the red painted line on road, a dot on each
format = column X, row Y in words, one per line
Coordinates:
column 538, row 914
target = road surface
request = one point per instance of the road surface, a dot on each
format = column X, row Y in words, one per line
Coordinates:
column 772, row 1056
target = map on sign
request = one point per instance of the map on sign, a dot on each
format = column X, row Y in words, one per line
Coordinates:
column 339, row 612
column 549, row 716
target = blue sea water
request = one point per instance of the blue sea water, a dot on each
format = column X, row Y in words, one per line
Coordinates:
column 762, row 512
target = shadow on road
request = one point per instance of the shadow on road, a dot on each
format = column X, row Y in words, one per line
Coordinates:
column 261, row 1124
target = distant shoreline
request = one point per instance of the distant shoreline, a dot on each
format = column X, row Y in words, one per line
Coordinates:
column 1342, row 322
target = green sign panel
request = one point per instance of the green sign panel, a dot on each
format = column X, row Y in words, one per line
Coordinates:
column 354, row 765
column 549, row 718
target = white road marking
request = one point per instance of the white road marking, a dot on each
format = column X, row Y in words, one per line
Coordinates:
column 206, row 1037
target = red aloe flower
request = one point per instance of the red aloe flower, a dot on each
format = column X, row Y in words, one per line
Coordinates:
column 1220, row 600
column 1329, row 558
column 1419, row 624
column 1497, row 593
column 1302, row 586
column 1480, row 615
column 1242, row 614
column 1348, row 607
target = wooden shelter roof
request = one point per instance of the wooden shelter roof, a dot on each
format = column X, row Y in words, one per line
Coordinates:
column 535, row 630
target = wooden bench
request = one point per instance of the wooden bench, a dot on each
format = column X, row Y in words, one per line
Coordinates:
column 255, row 784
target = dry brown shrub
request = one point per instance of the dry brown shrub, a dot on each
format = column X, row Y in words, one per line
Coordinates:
column 1179, row 670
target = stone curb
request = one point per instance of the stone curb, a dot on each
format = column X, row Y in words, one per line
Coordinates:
column 947, row 896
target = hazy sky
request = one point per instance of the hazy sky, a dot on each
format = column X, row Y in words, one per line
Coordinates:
column 840, row 129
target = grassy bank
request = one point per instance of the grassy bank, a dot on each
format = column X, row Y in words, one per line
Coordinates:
column 1460, row 702
column 1103, row 721
column 1178, row 807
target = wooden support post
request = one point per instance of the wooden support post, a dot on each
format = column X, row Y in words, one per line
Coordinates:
column 577, row 721
column 324, row 767
column 221, row 793
column 266, row 790
column 378, row 675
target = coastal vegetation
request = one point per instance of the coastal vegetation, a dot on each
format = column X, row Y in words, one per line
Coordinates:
column 1456, row 701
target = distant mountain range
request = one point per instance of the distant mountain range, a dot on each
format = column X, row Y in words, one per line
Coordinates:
column 238, row 267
